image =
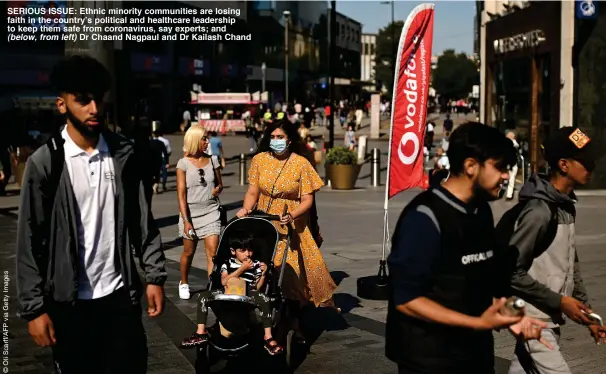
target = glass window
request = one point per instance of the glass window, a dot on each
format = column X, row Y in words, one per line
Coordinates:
column 372, row 49
column 511, row 101
column 590, row 96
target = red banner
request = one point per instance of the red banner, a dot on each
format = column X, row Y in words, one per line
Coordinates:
column 409, row 109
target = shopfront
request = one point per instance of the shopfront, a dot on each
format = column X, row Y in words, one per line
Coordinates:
column 523, row 73
column 590, row 79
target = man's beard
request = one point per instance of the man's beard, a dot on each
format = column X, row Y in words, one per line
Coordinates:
column 481, row 194
column 83, row 128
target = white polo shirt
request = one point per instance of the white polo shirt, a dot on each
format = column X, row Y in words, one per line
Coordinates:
column 93, row 182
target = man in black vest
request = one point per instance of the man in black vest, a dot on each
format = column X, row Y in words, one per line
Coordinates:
column 448, row 278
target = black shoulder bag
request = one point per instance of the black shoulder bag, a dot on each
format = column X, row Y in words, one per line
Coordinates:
column 222, row 211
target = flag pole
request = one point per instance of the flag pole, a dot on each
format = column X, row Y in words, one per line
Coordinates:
column 375, row 287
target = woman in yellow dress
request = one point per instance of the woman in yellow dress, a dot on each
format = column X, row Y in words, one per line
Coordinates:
column 280, row 174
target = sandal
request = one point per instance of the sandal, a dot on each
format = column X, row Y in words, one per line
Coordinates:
column 272, row 349
column 194, row 340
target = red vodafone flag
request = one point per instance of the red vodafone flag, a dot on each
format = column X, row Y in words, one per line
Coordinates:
column 409, row 109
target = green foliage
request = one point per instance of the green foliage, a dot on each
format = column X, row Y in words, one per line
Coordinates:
column 455, row 75
column 341, row 156
column 386, row 54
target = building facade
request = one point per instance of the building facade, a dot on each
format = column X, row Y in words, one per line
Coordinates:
column 542, row 68
column 367, row 65
column 523, row 57
column 304, row 24
column 589, row 60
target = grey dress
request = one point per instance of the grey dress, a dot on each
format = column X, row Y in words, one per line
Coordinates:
column 203, row 207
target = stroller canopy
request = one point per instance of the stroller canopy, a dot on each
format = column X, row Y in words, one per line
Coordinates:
column 264, row 235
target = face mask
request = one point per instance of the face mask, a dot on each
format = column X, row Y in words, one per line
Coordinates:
column 278, row 146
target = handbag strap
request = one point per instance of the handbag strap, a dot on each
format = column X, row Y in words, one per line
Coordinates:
column 271, row 195
column 212, row 161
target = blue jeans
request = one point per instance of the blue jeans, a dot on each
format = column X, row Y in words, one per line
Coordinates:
column 164, row 173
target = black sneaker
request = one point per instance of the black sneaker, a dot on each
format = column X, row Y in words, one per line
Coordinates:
column 194, row 340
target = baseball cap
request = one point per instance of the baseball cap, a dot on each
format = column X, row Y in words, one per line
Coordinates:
column 570, row 143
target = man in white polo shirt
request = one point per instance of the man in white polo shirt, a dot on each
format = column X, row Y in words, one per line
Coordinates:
column 82, row 208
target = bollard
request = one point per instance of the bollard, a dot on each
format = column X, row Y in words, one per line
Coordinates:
column 362, row 145
column 242, row 165
column 375, row 168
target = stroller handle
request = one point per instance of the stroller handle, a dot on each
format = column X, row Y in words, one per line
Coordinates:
column 269, row 217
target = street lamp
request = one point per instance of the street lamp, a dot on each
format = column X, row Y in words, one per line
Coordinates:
column 286, row 24
column 393, row 34
column 263, row 68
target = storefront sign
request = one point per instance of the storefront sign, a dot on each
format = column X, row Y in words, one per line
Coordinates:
column 150, row 63
column 586, row 9
column 529, row 39
column 192, row 66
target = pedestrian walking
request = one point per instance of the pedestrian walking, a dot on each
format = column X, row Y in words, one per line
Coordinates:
column 513, row 172
column 448, row 124
column 158, row 161
column 82, row 208
column 349, row 141
column 198, row 187
column 429, row 128
column 166, row 162
column 448, row 277
column 280, row 175
column 215, row 145
column 540, row 230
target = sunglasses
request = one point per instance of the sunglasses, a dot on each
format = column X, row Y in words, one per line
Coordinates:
column 201, row 174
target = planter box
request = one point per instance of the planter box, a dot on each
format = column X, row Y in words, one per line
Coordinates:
column 342, row 177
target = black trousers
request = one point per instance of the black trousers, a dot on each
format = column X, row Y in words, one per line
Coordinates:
column 100, row 336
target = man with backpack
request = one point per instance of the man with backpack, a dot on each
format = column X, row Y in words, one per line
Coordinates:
column 540, row 231
column 448, row 279
column 82, row 208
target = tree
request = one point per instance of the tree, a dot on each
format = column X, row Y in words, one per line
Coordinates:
column 455, row 75
column 386, row 51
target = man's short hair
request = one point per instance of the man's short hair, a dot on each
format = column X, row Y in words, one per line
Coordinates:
column 481, row 142
column 80, row 75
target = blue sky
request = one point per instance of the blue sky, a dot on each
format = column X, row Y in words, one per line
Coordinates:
column 453, row 20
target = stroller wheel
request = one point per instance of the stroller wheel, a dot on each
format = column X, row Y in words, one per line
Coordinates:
column 289, row 346
column 202, row 362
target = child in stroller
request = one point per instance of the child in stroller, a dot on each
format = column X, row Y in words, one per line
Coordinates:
column 239, row 266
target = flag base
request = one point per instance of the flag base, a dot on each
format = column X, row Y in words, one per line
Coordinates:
column 374, row 287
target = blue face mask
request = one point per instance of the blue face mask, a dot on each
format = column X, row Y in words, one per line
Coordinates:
column 278, row 146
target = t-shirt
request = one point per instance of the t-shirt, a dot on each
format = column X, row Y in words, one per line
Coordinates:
column 251, row 276
column 429, row 127
column 215, row 145
column 443, row 162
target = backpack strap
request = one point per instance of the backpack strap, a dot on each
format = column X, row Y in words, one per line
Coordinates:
column 53, row 175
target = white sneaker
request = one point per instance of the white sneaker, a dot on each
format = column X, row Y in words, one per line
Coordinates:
column 184, row 291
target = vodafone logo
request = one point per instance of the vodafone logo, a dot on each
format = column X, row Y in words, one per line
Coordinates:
column 409, row 137
column 411, row 94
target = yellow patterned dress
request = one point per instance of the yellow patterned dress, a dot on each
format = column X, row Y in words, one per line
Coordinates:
column 281, row 182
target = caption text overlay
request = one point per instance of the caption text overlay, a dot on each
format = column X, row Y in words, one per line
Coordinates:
column 37, row 24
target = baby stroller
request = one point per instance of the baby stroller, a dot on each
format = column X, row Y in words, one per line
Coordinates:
column 237, row 329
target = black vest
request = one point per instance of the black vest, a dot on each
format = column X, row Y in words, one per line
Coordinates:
column 464, row 279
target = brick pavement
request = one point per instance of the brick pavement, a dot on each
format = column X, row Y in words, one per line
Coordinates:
column 27, row 358
column 351, row 224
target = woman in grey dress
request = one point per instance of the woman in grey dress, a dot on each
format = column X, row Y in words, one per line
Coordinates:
column 198, row 187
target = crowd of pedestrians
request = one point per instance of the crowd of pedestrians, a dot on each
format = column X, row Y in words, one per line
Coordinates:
column 85, row 222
